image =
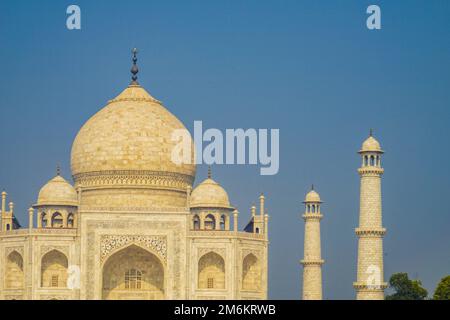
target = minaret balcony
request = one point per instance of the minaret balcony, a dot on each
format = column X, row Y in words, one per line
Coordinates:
column 370, row 171
column 312, row 216
column 312, row 262
column 369, row 287
column 372, row 232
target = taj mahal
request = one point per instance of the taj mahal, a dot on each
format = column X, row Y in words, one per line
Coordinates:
column 133, row 226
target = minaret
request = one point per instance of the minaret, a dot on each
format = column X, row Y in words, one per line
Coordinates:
column 370, row 284
column 312, row 262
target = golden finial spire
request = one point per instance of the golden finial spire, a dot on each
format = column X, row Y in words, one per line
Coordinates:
column 371, row 132
column 58, row 170
column 134, row 67
column 209, row 172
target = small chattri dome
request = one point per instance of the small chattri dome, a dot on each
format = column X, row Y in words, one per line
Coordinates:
column 57, row 192
column 312, row 196
column 210, row 194
column 371, row 145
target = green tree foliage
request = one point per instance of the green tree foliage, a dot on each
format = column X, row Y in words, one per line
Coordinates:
column 405, row 288
column 443, row 289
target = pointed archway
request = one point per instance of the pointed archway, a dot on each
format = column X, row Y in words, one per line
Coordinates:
column 133, row 273
column 211, row 272
column 251, row 273
column 14, row 271
column 54, row 266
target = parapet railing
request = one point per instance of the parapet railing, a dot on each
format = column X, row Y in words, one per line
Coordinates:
column 39, row 231
column 228, row 234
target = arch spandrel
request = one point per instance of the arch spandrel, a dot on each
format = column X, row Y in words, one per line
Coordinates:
column 204, row 251
column 111, row 244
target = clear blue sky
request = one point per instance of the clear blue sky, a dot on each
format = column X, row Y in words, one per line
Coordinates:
column 310, row 68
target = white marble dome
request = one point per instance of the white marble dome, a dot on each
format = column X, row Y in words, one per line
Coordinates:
column 132, row 133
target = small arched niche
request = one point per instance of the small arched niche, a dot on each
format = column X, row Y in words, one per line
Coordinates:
column 14, row 271
column 57, row 220
column 54, row 266
column 251, row 273
column 211, row 272
column 210, row 222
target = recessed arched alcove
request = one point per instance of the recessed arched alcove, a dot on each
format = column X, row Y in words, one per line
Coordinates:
column 133, row 273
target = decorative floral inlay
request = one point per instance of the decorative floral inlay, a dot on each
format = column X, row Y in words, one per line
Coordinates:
column 62, row 249
column 111, row 242
column 167, row 180
column 12, row 249
column 257, row 253
column 219, row 251
column 54, row 297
